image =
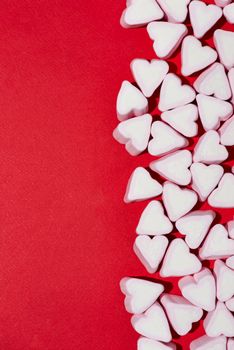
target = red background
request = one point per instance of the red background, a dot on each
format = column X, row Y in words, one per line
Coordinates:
column 66, row 235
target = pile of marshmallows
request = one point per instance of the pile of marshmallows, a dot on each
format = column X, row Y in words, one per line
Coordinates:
column 207, row 294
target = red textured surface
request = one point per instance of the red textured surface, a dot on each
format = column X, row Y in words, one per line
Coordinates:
column 66, row 235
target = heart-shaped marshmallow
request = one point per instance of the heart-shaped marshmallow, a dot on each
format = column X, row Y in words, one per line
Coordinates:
column 173, row 94
column 224, row 280
column 219, row 322
column 140, row 294
column 207, row 343
column 199, row 289
column 150, row 344
column 212, row 111
column 177, row 201
column 183, row 119
column 130, row 101
column 222, row 3
column 141, row 186
column 224, row 43
column 149, row 75
column 217, row 244
column 230, row 304
column 223, row 196
column 205, row 178
column 153, row 221
column 175, row 10
column 227, row 132
column 134, row 133
column 195, row 56
column 174, row 167
column 230, row 262
column 178, row 260
column 208, row 149
column 214, row 81
column 203, row 17
column 228, row 12
column 195, row 226
column 140, row 12
column 231, row 82
column 166, row 36
column 181, row 313
column 165, row 139
column 230, row 228
column 150, row 251
column 153, row 324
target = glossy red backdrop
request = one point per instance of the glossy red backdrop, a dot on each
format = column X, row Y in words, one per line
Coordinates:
column 66, row 235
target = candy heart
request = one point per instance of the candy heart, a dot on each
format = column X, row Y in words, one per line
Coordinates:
column 183, row 119
column 213, row 81
column 207, row 343
column 230, row 262
column 222, row 3
column 130, row 101
column 230, row 344
column 205, row 178
column 199, row 289
column 230, row 304
column 217, row 244
column 177, row 201
column 150, row 344
column 134, row 133
column 195, row 56
column 203, row 17
column 140, row 12
column 166, row 36
column 195, row 226
column 173, row 94
column 227, row 132
column 140, row 294
column 224, row 43
column 230, row 227
column 165, row 139
column 150, row 251
column 224, row 280
column 223, row 196
column 153, row 324
column 213, row 110
column 175, row 10
column 141, row 186
column 208, row 150
column 153, row 221
column 228, row 12
column 180, row 312
column 219, row 322
column 178, row 261
column 149, row 75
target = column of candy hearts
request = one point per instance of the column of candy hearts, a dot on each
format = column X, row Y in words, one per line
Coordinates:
column 227, row 132
column 224, row 43
column 195, row 226
column 141, row 186
column 153, row 324
column 177, row 201
column 222, row 3
column 130, row 102
column 134, row 133
column 207, row 343
column 178, row 260
column 230, row 262
column 173, row 94
column 165, row 139
column 181, row 313
column 149, row 75
column 174, row 167
column 140, row 12
column 219, row 322
column 199, row 289
column 212, row 111
column 150, row 344
column 183, row 119
column 208, row 149
column 228, row 12
column 230, row 344
column 175, row 10
column 205, row 178
column 203, row 17
column 230, row 304
column 140, row 294
column 150, row 251
column 223, row 196
column 194, row 56
column 214, row 81
column 153, row 221
column 166, row 36
column 224, row 281
column 217, row 244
